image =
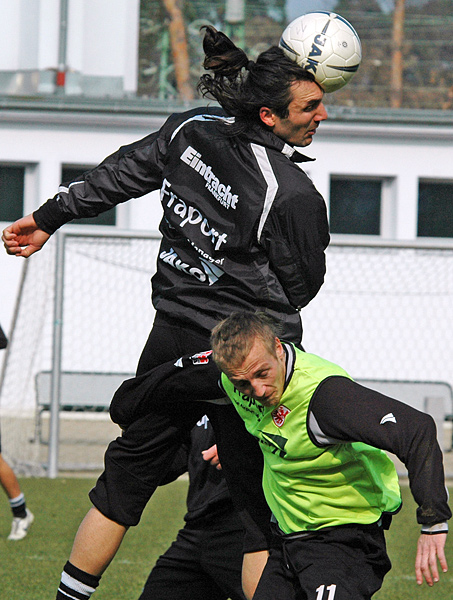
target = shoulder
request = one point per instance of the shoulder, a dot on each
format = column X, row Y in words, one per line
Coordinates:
column 173, row 124
column 297, row 198
column 206, row 114
column 291, row 181
column 317, row 366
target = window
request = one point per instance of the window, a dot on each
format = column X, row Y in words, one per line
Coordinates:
column 355, row 205
column 11, row 192
column 435, row 209
column 69, row 173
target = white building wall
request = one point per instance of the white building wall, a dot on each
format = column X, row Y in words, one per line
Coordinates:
column 9, row 40
column 47, row 28
column 29, row 45
column 102, row 38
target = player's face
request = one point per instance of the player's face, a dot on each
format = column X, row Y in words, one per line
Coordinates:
column 306, row 111
column 262, row 374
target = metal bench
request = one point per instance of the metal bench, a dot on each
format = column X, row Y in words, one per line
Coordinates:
column 432, row 397
column 87, row 391
column 79, row 391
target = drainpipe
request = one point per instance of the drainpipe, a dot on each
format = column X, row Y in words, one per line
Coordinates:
column 234, row 21
column 62, row 45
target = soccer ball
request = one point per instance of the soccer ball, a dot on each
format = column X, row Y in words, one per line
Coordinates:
column 326, row 45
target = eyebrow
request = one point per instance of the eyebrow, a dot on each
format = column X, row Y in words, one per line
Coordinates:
column 254, row 374
column 313, row 104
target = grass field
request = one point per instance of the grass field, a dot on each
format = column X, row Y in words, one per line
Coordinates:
column 30, row 569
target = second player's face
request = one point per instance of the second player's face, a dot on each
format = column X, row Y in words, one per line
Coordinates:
column 306, row 111
column 262, row 374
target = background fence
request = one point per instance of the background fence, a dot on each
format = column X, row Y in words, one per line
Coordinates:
column 425, row 46
column 384, row 312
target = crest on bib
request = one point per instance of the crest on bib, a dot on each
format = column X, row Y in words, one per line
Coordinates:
column 279, row 415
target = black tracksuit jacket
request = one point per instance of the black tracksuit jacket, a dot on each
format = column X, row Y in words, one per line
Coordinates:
column 243, row 226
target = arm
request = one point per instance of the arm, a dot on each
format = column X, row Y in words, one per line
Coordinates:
column 130, row 172
column 186, row 459
column 345, row 411
column 295, row 236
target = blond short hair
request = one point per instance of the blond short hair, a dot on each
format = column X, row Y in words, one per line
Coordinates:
column 233, row 338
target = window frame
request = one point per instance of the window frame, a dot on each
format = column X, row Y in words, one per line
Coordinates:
column 388, row 215
column 433, row 181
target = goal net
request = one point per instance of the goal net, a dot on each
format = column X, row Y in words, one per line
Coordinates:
column 101, row 284
column 385, row 312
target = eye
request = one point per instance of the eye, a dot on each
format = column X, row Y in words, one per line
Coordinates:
column 313, row 106
column 240, row 384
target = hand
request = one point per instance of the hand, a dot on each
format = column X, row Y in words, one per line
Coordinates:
column 24, row 237
column 211, row 456
column 429, row 549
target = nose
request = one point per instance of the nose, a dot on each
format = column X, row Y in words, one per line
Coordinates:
column 321, row 115
column 259, row 389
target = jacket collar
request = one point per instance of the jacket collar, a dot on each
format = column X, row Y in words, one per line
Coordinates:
column 264, row 137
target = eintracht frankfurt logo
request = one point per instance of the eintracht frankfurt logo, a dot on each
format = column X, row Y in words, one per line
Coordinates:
column 279, row 415
column 202, row 358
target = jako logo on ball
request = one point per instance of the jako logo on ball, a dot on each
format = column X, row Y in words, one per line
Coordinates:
column 326, row 45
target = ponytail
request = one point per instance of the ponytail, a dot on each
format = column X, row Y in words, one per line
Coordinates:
column 242, row 87
column 222, row 57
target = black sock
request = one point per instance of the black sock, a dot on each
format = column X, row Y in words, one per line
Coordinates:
column 18, row 506
column 76, row 584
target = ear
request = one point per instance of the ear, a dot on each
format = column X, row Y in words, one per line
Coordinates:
column 267, row 116
column 279, row 348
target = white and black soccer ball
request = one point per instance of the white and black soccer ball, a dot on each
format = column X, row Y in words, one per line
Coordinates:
column 325, row 44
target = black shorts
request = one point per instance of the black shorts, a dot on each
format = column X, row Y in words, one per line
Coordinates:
column 158, row 408
column 342, row 563
column 203, row 563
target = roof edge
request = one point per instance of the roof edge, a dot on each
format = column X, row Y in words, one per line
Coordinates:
column 149, row 107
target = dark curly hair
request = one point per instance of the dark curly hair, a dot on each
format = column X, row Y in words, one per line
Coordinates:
column 241, row 86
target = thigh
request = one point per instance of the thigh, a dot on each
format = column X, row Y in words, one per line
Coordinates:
column 169, row 340
column 136, row 462
column 185, row 380
column 178, row 574
column 156, row 409
column 278, row 582
column 344, row 564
